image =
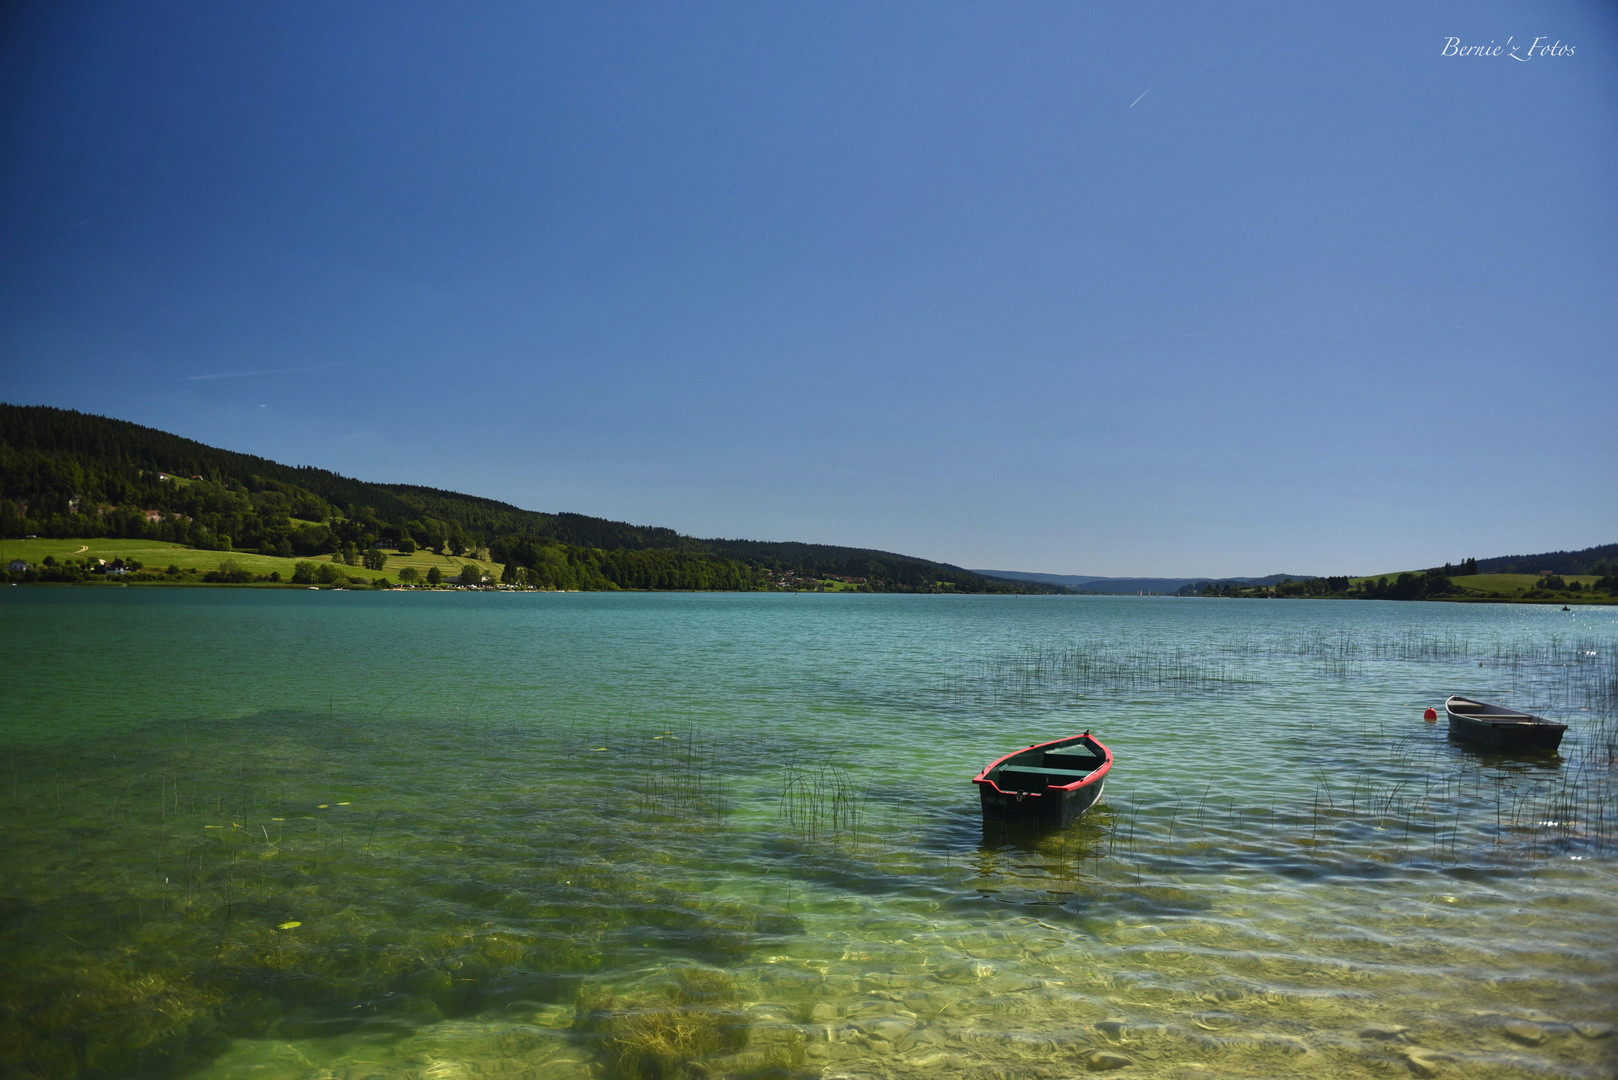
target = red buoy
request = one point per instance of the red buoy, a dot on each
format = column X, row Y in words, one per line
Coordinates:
column 1431, row 716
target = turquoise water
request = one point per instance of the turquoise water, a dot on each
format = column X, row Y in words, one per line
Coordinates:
column 316, row 834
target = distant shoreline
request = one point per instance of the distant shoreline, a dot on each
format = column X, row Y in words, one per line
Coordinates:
column 97, row 581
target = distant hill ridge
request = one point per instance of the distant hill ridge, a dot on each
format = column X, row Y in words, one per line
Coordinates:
column 1591, row 560
column 65, row 473
column 1130, row 586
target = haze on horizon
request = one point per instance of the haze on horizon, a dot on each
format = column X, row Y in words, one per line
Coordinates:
column 1160, row 290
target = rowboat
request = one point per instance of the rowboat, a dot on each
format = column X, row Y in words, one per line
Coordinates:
column 1500, row 728
column 1048, row 783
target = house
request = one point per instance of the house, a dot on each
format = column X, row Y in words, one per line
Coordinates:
column 154, row 515
column 117, row 566
column 18, row 566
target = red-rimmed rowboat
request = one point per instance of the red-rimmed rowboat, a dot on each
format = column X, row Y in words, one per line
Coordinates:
column 1048, row 783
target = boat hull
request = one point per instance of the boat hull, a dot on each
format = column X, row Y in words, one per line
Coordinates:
column 1492, row 727
column 1053, row 806
column 1509, row 736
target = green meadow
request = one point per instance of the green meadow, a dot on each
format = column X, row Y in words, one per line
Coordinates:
column 158, row 555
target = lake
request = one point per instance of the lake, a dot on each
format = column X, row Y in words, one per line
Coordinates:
column 375, row 835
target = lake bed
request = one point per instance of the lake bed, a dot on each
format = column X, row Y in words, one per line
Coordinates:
column 315, row 834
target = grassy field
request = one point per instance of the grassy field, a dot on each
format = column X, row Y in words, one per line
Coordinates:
column 156, row 555
column 1516, row 583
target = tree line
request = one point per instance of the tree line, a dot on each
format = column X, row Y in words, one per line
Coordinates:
column 1432, row 584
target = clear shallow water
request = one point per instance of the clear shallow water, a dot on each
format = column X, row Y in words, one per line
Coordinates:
column 666, row 835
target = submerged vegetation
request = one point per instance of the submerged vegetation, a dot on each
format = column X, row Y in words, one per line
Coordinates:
column 658, row 1033
column 179, row 900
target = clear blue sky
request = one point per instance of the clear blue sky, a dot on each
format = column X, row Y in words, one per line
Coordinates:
column 1114, row 289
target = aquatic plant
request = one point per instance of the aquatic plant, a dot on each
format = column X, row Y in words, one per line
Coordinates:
column 678, row 776
column 820, row 805
column 1096, row 668
column 663, row 1033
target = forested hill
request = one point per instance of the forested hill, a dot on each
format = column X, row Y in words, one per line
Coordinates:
column 1592, row 560
column 65, row 473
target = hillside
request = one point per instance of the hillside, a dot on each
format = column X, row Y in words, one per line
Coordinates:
column 1116, row 586
column 1450, row 583
column 70, row 474
column 1587, row 561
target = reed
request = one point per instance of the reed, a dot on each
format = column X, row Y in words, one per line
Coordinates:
column 1034, row 672
column 677, row 776
column 821, row 805
column 1426, row 801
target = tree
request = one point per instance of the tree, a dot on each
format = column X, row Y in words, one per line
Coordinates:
column 433, row 576
column 409, row 573
column 375, row 559
column 512, row 574
column 1406, row 586
column 407, row 546
column 303, row 573
column 471, row 574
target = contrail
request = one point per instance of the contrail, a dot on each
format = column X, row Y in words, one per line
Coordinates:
column 246, row 374
column 1201, row 333
column 1143, row 93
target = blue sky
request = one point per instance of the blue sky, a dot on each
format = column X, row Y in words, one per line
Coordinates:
column 1123, row 289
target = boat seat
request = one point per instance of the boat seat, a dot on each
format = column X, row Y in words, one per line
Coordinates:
column 1475, row 714
column 1066, row 775
column 1067, row 761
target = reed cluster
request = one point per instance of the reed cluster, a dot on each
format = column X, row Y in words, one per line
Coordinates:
column 821, row 805
column 676, row 775
column 1035, row 673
